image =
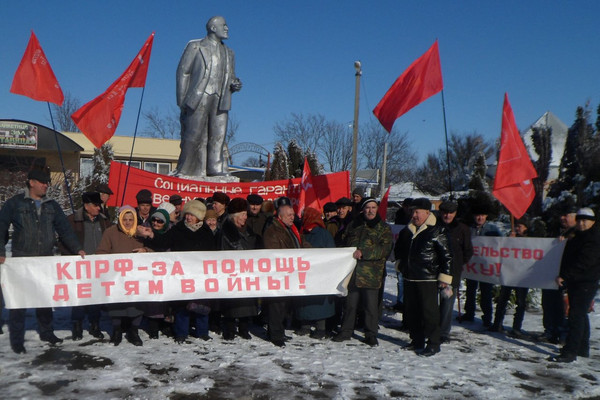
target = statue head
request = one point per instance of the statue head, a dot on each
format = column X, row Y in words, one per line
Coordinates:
column 217, row 27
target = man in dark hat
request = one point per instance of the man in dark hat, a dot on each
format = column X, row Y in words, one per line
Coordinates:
column 404, row 213
column 36, row 220
column 89, row 224
column 256, row 218
column 332, row 222
column 480, row 227
column 219, row 203
column 105, row 194
column 358, row 194
column 462, row 251
column 373, row 240
column 144, row 209
column 177, row 201
column 344, row 212
column 425, row 259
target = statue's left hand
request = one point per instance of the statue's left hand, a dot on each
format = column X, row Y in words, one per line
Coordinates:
column 236, row 85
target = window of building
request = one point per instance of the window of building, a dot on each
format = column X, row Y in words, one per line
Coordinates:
column 157, row 167
column 134, row 164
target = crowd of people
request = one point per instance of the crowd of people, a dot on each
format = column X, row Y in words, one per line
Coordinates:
column 430, row 252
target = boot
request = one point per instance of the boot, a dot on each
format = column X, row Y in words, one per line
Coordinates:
column 95, row 330
column 153, row 325
column 133, row 337
column 77, row 331
column 117, row 336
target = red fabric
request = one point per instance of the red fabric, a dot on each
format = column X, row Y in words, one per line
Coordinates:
column 34, row 77
column 328, row 187
column 512, row 184
column 419, row 82
column 383, row 205
column 98, row 119
column 308, row 197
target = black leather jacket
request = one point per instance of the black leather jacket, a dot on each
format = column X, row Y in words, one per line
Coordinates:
column 426, row 256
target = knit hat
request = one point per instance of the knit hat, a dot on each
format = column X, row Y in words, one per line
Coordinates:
column 421, row 204
column 163, row 215
column 220, row 197
column 254, row 199
column 366, row 201
column 196, row 208
column 237, row 205
column 358, row 191
column 586, row 213
column 91, row 197
column 144, row 196
column 167, row 206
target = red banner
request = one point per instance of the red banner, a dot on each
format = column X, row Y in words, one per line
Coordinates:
column 329, row 187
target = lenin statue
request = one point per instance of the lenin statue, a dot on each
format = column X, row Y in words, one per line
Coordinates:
column 205, row 81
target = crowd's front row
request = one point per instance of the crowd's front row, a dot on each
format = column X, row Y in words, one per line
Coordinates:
column 430, row 252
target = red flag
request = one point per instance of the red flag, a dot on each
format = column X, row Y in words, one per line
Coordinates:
column 419, row 82
column 512, row 184
column 308, row 196
column 34, row 77
column 383, row 205
column 98, row 119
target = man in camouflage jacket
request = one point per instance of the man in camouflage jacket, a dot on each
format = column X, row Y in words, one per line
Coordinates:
column 374, row 241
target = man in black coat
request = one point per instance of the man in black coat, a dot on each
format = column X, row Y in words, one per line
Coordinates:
column 579, row 273
column 425, row 259
column 462, row 251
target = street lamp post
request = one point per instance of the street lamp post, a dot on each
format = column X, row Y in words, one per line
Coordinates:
column 357, row 67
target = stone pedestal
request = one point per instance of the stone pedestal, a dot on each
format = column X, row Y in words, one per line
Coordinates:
column 214, row 179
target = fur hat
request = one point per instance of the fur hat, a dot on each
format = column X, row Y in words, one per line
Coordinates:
column 237, row 205
column 254, row 199
column 220, row 197
column 210, row 214
column 40, row 175
column 144, row 196
column 421, row 204
column 103, row 188
column 196, row 208
column 167, row 206
column 329, row 207
column 175, row 199
column 91, row 197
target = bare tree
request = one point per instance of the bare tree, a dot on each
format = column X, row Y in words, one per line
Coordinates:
column 337, row 147
column 62, row 114
column 400, row 157
column 164, row 127
column 307, row 131
column 233, row 127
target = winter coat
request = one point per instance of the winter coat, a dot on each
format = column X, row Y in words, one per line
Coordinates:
column 462, row 248
column 78, row 221
column 181, row 238
column 35, row 232
column 311, row 308
column 333, row 226
column 231, row 238
column 424, row 252
column 374, row 239
column 581, row 258
column 256, row 222
column 277, row 236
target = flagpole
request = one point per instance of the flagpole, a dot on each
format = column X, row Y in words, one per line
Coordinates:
column 447, row 150
column 133, row 144
column 62, row 163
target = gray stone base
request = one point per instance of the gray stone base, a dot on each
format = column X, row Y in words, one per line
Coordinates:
column 215, row 179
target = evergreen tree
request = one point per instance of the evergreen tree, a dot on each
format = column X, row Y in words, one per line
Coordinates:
column 295, row 159
column 542, row 145
column 313, row 163
column 279, row 167
column 478, row 180
column 101, row 168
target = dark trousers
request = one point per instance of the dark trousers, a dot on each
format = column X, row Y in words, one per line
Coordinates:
column 580, row 298
column 446, row 309
column 521, row 301
column 16, row 324
column 278, row 311
column 368, row 300
column 554, row 311
column 78, row 313
column 422, row 312
column 181, row 326
column 485, row 301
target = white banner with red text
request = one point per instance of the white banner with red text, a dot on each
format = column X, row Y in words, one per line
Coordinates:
column 32, row 282
column 517, row 262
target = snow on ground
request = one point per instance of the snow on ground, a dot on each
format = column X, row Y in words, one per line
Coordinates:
column 476, row 364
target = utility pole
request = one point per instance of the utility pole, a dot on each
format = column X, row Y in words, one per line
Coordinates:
column 357, row 67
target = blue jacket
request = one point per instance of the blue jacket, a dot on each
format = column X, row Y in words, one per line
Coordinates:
column 35, row 233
